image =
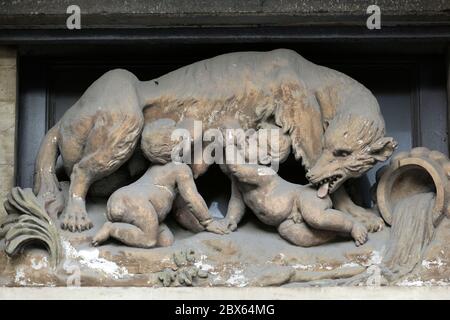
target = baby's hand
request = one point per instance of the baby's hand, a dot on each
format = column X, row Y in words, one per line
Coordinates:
column 228, row 224
column 231, row 225
column 217, row 226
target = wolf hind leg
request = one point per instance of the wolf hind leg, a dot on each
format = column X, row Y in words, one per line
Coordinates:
column 110, row 143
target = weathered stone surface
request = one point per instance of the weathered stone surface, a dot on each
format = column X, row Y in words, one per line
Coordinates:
column 251, row 256
column 7, row 132
column 7, row 146
column 6, row 178
column 141, row 13
column 7, row 121
column 6, row 183
column 8, row 83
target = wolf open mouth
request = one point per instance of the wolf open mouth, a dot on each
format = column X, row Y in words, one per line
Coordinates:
column 327, row 185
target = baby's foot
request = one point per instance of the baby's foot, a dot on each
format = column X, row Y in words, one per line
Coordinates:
column 359, row 233
column 373, row 223
column 102, row 235
column 165, row 236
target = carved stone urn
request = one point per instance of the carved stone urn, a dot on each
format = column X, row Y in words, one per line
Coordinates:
column 411, row 172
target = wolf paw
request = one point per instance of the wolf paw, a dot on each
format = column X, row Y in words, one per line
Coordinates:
column 75, row 218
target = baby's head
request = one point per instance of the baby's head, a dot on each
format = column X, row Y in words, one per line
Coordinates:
column 156, row 142
column 268, row 144
column 278, row 143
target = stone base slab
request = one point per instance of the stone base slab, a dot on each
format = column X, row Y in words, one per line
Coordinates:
column 339, row 293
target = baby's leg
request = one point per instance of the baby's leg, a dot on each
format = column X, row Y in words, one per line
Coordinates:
column 165, row 236
column 133, row 221
column 302, row 235
column 318, row 213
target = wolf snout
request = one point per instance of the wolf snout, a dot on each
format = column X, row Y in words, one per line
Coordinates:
column 310, row 176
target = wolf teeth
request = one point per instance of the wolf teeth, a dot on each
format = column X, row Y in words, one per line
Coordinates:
column 331, row 180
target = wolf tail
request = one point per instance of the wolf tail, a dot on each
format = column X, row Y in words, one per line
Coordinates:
column 46, row 186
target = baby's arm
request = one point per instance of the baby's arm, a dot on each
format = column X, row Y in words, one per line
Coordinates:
column 247, row 172
column 251, row 173
column 236, row 206
column 196, row 204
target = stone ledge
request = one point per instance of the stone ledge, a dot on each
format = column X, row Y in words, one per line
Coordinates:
column 141, row 13
column 119, row 293
column 168, row 7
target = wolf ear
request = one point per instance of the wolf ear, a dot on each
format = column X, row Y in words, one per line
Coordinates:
column 382, row 149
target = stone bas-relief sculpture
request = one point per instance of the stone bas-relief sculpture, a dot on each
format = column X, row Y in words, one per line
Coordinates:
column 314, row 104
column 302, row 215
column 330, row 122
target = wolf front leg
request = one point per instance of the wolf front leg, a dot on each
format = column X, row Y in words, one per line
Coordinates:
column 343, row 202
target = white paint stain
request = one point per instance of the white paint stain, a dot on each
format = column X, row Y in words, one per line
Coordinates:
column 302, row 267
column 166, row 260
column 202, row 265
column 350, row 265
column 375, row 258
column 90, row 258
column 39, row 264
column 421, row 283
column 20, row 277
column 237, row 279
column 429, row 264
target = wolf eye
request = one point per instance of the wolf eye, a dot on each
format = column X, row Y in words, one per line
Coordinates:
column 341, row 153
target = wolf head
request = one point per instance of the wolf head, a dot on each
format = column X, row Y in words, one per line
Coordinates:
column 352, row 144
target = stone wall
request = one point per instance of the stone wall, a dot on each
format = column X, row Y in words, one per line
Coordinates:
column 8, row 94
